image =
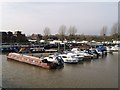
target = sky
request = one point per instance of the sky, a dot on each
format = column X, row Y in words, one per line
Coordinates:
column 33, row 17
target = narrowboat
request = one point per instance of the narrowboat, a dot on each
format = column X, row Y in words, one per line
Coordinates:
column 44, row 63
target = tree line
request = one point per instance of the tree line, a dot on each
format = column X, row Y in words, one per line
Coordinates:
column 63, row 34
column 70, row 34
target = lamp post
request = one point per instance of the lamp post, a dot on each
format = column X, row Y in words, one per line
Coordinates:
column 104, row 38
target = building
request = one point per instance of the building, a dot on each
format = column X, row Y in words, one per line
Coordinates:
column 9, row 37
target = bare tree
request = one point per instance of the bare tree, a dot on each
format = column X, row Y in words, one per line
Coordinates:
column 71, row 32
column 62, row 31
column 118, row 31
column 114, row 29
column 46, row 33
column 103, row 31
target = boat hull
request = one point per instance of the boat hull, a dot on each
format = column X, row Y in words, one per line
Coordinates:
column 71, row 62
column 31, row 60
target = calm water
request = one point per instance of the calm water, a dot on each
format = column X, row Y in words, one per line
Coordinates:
column 98, row 73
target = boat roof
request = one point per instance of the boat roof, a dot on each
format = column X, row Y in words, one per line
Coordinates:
column 25, row 55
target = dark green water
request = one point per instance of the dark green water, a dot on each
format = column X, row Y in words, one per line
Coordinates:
column 98, row 73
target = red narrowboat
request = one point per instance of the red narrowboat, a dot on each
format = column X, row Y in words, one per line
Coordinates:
column 44, row 63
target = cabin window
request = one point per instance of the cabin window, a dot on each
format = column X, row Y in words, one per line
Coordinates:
column 64, row 56
column 44, row 61
column 51, row 57
column 58, row 57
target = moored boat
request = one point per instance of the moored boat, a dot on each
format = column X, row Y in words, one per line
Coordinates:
column 109, row 50
column 101, row 50
column 82, row 53
column 115, row 48
column 71, row 58
column 55, row 59
column 44, row 63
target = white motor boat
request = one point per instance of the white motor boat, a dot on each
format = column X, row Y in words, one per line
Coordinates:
column 115, row 48
column 109, row 50
column 55, row 59
column 82, row 53
column 80, row 57
column 86, row 55
column 92, row 53
column 69, row 58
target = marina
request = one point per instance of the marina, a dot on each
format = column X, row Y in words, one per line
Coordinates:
column 78, row 66
column 59, row 44
column 74, row 55
column 94, row 73
column 88, row 67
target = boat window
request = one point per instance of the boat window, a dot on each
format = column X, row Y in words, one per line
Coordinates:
column 119, row 45
column 64, row 56
column 45, row 61
column 59, row 58
column 51, row 57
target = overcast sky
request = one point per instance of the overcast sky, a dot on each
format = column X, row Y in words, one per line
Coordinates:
column 33, row 17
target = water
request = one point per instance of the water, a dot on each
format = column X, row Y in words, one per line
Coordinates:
column 98, row 73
